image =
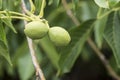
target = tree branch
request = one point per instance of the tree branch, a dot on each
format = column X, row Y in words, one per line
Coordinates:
column 39, row 72
column 91, row 43
column 69, row 13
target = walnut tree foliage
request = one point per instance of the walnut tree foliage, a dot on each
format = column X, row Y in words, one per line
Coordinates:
column 99, row 20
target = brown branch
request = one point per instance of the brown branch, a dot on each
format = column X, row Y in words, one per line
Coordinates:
column 103, row 59
column 39, row 72
column 69, row 13
column 91, row 43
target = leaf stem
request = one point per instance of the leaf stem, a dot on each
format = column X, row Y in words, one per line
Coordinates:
column 42, row 9
column 32, row 6
column 14, row 17
column 16, row 13
column 107, row 13
column 102, row 16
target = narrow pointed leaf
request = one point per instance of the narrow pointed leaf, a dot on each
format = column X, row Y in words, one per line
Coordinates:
column 3, row 45
column 8, row 22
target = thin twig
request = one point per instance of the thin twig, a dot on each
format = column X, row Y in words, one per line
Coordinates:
column 92, row 44
column 69, row 13
column 103, row 59
column 32, row 51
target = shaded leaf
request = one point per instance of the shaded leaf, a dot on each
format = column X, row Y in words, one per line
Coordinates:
column 22, row 60
column 75, row 4
column 0, row 4
column 70, row 53
column 4, row 52
column 50, row 2
column 38, row 5
column 112, row 33
column 55, row 2
column 8, row 22
column 25, row 67
column 117, row 5
column 113, row 2
column 3, row 45
column 21, row 51
column 50, row 51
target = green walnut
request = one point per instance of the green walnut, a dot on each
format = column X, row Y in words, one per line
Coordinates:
column 59, row 36
column 36, row 29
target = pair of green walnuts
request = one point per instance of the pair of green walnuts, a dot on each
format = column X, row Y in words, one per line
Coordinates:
column 38, row 29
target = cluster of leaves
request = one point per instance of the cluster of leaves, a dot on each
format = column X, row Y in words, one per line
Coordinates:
column 100, row 17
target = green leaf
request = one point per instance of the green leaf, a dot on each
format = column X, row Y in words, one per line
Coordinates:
column 112, row 33
column 99, row 31
column 117, row 5
column 113, row 2
column 75, row 4
column 2, row 34
column 38, row 5
column 55, row 2
column 0, row 4
column 4, row 52
column 8, row 22
column 70, row 53
column 22, row 60
column 3, row 45
column 50, row 51
column 50, row 2
column 102, row 3
column 21, row 51
column 25, row 67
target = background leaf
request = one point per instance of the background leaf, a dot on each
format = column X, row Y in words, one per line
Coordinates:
column 50, row 51
column 8, row 22
column 102, row 3
column 99, row 31
column 25, row 67
column 0, row 4
column 113, row 2
column 111, row 34
column 3, row 44
column 70, row 53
